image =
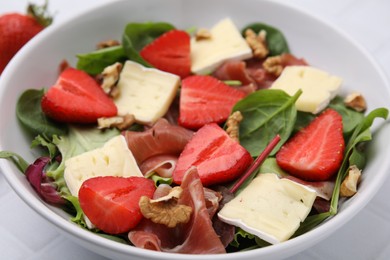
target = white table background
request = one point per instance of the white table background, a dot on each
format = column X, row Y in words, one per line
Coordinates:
column 25, row 235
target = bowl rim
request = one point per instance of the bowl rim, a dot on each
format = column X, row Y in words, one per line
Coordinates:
column 69, row 228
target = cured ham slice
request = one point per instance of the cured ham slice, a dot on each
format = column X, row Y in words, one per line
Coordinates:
column 163, row 165
column 184, row 238
column 252, row 71
column 234, row 70
column 212, row 199
column 162, row 138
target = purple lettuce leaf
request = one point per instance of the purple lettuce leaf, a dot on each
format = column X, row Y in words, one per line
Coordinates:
column 43, row 185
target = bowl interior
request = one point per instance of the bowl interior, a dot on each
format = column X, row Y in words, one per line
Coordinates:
column 320, row 43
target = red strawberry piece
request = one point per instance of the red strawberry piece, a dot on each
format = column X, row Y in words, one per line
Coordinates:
column 316, row 152
column 17, row 29
column 205, row 99
column 111, row 203
column 170, row 52
column 77, row 98
column 217, row 157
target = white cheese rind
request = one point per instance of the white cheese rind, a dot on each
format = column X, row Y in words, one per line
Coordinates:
column 226, row 43
column 269, row 207
column 318, row 87
column 113, row 159
column 145, row 93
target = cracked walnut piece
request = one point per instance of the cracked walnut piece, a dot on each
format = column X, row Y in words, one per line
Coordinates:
column 120, row 122
column 257, row 43
column 110, row 76
column 349, row 186
column 233, row 125
column 356, row 101
column 202, row 34
column 106, row 44
column 166, row 210
column 273, row 65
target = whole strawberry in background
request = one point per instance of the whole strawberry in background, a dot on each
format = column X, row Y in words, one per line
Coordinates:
column 17, row 29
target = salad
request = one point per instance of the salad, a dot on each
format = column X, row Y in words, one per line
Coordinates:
column 170, row 135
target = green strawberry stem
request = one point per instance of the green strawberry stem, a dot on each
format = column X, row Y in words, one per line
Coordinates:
column 256, row 164
column 40, row 14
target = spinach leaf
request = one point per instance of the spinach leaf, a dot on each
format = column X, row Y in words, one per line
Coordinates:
column 30, row 115
column 303, row 120
column 358, row 156
column 276, row 42
column 138, row 35
column 266, row 113
column 351, row 118
column 94, row 62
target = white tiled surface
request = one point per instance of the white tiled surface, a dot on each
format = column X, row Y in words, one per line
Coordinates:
column 25, row 235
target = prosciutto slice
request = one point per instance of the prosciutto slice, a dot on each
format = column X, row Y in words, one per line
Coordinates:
column 234, row 70
column 184, row 238
column 161, row 138
column 163, row 165
column 252, row 71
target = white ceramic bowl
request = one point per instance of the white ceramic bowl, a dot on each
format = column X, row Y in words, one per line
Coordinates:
column 320, row 43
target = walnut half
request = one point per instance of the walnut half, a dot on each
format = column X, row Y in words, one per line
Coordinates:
column 273, row 65
column 233, row 125
column 257, row 42
column 166, row 210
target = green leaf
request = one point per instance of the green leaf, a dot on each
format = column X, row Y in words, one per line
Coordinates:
column 240, row 234
column 161, row 180
column 311, row 222
column 351, row 118
column 232, row 82
column 41, row 141
column 78, row 214
column 303, row 119
column 30, row 115
column 276, row 42
column 19, row 162
column 138, row 35
column 94, row 62
column 266, row 113
column 358, row 156
column 271, row 166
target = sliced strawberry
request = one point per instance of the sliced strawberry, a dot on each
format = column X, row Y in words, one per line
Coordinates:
column 111, row 203
column 77, row 98
column 205, row 99
column 316, row 152
column 217, row 157
column 170, row 52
